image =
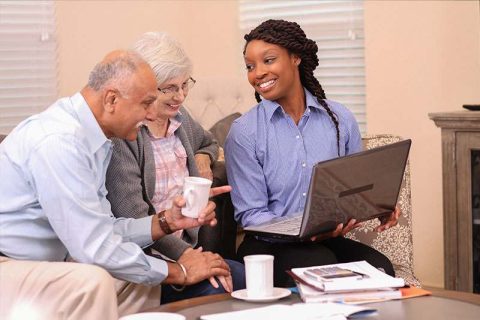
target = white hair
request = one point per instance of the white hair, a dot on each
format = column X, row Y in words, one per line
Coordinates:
column 164, row 54
column 116, row 67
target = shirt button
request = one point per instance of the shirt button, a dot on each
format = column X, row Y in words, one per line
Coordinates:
column 304, row 194
column 298, row 137
column 304, row 164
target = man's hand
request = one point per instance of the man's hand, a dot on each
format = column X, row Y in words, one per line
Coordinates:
column 204, row 166
column 339, row 231
column 177, row 221
column 206, row 265
column 389, row 221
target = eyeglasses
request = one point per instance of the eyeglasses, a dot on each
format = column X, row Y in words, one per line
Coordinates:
column 171, row 91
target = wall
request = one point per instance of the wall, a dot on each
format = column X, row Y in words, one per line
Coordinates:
column 421, row 57
column 87, row 30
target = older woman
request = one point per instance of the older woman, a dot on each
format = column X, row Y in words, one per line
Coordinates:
column 145, row 175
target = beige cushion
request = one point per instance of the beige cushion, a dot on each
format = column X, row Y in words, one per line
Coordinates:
column 396, row 243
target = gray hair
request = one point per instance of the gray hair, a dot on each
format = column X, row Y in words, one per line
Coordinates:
column 164, row 54
column 116, row 66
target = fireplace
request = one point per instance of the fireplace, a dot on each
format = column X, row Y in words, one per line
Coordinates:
column 461, row 198
column 475, row 160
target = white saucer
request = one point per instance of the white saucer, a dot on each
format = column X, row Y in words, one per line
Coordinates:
column 278, row 293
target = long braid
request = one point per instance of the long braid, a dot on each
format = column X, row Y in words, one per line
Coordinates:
column 290, row 36
column 312, row 85
column 257, row 97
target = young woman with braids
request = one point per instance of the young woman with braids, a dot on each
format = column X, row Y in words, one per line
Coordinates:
column 270, row 150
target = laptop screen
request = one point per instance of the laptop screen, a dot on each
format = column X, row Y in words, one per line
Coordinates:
column 361, row 186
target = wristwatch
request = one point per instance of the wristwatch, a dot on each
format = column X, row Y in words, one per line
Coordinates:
column 162, row 220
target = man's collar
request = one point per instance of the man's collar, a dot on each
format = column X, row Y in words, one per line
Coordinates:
column 95, row 136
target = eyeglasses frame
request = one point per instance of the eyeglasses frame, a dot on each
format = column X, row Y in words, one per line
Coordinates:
column 185, row 87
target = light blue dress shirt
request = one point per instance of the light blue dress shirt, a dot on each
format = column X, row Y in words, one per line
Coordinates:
column 269, row 158
column 53, row 197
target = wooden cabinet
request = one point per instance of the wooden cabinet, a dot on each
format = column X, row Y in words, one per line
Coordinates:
column 461, row 197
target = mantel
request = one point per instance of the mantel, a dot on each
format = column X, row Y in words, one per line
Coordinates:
column 462, row 119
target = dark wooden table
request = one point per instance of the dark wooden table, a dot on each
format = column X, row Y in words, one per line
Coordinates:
column 443, row 304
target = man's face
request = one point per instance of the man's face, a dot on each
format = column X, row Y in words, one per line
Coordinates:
column 135, row 104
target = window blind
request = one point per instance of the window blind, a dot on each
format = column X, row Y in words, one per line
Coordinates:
column 28, row 82
column 337, row 27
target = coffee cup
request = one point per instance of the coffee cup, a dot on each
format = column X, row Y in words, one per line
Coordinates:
column 259, row 275
column 196, row 192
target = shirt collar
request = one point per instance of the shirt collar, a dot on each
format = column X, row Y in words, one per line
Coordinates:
column 94, row 134
column 272, row 107
column 311, row 100
column 173, row 126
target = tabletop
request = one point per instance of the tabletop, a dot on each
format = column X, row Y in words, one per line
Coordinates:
column 442, row 304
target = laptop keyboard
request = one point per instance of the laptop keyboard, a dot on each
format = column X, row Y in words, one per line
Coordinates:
column 287, row 226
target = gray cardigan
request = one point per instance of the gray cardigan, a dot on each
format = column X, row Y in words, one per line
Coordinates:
column 131, row 177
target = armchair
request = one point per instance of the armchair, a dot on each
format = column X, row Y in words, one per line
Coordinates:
column 396, row 243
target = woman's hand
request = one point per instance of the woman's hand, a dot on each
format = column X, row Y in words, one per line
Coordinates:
column 204, row 166
column 339, row 231
column 389, row 220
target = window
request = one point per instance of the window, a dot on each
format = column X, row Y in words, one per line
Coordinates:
column 28, row 81
column 337, row 27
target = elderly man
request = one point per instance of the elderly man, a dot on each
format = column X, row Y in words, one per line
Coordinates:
column 53, row 207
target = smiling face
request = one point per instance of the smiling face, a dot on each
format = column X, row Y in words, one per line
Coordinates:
column 271, row 70
column 168, row 104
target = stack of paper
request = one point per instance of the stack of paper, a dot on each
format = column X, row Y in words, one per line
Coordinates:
column 312, row 295
column 370, row 285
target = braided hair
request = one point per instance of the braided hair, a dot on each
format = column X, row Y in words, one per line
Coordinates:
column 290, row 36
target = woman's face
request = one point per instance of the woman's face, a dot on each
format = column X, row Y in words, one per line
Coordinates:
column 271, row 70
column 171, row 96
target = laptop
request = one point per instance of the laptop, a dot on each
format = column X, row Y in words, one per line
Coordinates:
column 363, row 186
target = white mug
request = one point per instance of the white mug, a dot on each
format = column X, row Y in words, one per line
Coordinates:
column 259, row 275
column 196, row 192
